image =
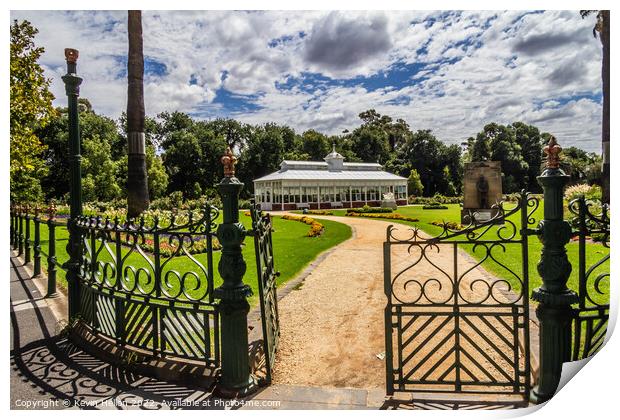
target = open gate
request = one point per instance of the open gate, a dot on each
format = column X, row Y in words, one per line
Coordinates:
column 592, row 313
column 267, row 276
column 451, row 326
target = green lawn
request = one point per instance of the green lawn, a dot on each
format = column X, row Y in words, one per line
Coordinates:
column 292, row 250
column 511, row 257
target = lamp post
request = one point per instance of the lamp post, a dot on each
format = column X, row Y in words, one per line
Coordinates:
column 72, row 88
column 554, row 310
column 236, row 379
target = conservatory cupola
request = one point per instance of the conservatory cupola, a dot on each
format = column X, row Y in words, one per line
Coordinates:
column 335, row 161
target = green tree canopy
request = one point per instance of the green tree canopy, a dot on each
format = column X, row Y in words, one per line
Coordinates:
column 30, row 109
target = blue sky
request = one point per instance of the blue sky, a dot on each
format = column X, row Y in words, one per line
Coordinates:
column 449, row 71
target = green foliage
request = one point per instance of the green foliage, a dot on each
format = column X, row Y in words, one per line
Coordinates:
column 414, row 184
column 437, row 198
column 590, row 192
column 582, row 166
column 430, row 157
column 519, row 148
column 30, row 109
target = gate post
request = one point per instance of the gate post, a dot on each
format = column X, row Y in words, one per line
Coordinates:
column 554, row 310
column 236, row 379
column 74, row 246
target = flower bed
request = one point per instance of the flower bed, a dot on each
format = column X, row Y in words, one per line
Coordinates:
column 391, row 216
column 316, row 228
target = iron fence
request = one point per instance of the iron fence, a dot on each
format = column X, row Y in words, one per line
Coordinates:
column 591, row 223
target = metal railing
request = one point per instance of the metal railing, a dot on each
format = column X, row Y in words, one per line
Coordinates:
column 25, row 234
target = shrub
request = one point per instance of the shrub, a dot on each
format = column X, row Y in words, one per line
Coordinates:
column 392, row 216
column 591, row 192
column 449, row 225
column 244, row 204
column 437, row 198
column 434, row 206
column 368, row 209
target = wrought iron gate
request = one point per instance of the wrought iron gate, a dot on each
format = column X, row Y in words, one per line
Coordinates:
column 592, row 313
column 451, row 327
column 267, row 275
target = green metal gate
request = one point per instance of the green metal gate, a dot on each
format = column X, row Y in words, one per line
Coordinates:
column 267, row 276
column 592, row 313
column 450, row 326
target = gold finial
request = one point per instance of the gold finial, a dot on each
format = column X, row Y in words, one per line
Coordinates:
column 552, row 150
column 71, row 55
column 51, row 210
column 229, row 160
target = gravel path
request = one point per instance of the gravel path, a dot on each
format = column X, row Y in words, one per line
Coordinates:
column 332, row 327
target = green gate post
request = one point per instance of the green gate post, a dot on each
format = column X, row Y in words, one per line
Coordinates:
column 236, row 379
column 554, row 310
column 27, row 240
column 74, row 246
column 20, row 240
column 37, row 242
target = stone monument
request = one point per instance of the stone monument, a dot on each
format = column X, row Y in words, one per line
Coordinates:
column 482, row 187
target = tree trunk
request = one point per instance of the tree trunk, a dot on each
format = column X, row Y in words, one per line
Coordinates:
column 137, row 180
column 605, row 74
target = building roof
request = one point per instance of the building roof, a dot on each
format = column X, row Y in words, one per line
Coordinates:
column 330, row 171
column 325, row 175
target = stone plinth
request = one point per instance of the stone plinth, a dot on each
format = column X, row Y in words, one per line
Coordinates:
column 482, row 188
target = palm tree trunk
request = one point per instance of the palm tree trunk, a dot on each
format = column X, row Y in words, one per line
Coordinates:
column 605, row 74
column 137, row 180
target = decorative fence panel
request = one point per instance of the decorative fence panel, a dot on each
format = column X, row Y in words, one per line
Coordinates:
column 150, row 286
column 267, row 286
column 451, row 326
column 591, row 222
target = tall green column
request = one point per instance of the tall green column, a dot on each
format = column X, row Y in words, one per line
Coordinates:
column 236, row 379
column 72, row 88
column 554, row 310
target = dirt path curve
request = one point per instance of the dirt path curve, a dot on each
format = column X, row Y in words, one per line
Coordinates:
column 332, row 327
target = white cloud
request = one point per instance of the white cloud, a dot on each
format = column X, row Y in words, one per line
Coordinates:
column 477, row 67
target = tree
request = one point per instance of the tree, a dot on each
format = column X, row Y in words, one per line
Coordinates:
column 602, row 28
column 30, row 109
column 583, row 167
column 100, row 166
column 519, row 148
column 439, row 166
column 414, row 184
column 137, row 178
column 316, row 145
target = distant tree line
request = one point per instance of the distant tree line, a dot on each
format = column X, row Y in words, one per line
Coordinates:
column 183, row 154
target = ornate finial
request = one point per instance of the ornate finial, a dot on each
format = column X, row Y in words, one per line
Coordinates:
column 229, row 160
column 552, row 150
column 51, row 210
column 333, row 146
column 71, row 55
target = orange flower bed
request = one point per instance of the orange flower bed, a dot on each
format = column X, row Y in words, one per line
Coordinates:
column 316, row 228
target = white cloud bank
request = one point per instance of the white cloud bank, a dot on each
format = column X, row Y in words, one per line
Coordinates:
column 476, row 67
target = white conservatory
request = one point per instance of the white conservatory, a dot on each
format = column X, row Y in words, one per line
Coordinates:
column 326, row 185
